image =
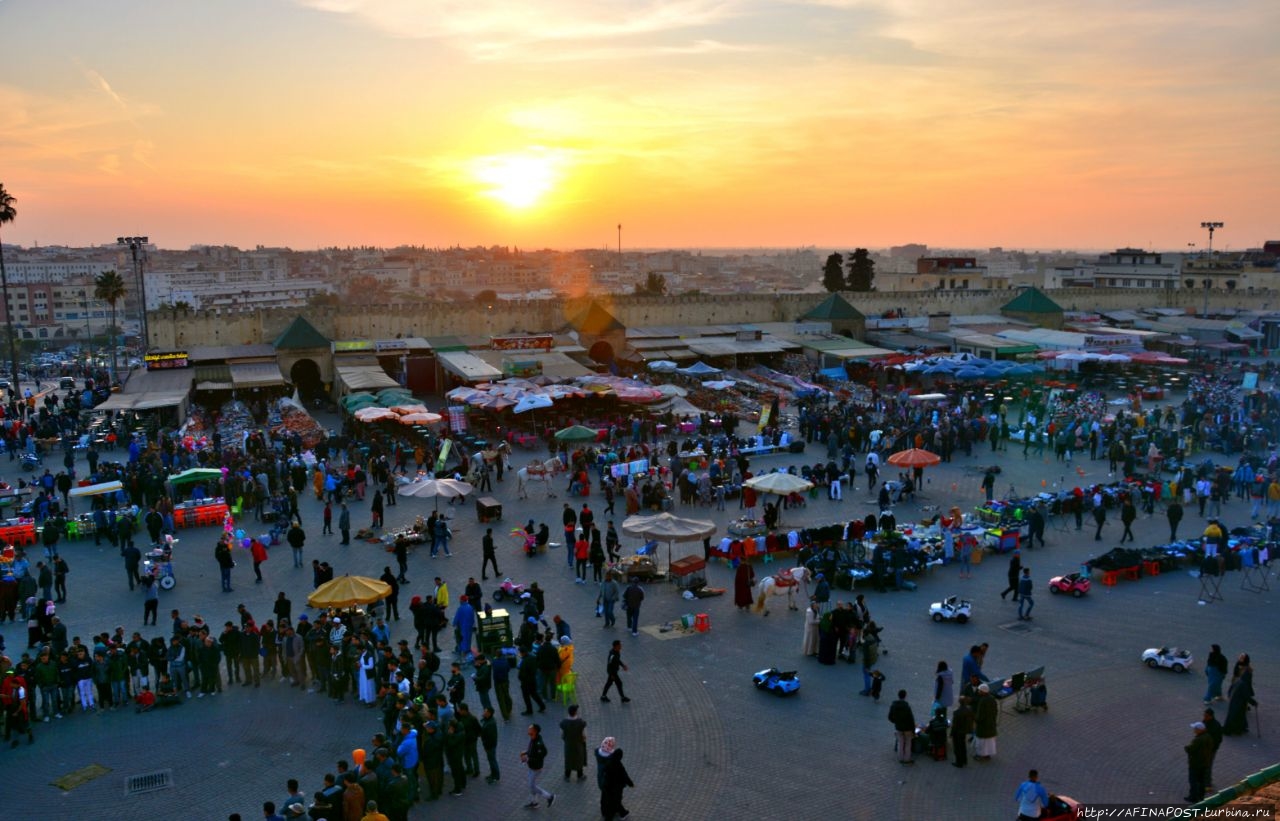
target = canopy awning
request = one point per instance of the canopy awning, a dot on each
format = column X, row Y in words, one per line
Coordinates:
column 94, row 490
column 365, row 378
column 256, row 375
column 468, row 367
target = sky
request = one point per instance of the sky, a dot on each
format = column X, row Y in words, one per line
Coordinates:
column 691, row 123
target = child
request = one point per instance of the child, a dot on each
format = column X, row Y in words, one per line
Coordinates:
column 145, row 700
column 877, row 683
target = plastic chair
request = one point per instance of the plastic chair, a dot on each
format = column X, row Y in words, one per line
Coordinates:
column 567, row 689
column 73, row 530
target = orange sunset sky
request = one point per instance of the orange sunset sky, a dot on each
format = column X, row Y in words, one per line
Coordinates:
column 1084, row 124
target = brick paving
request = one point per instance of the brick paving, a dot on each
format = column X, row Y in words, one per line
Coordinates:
column 700, row 742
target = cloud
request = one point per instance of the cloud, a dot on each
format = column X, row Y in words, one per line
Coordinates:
column 99, row 82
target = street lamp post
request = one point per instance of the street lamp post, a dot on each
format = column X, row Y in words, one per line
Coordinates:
column 136, row 244
column 1212, row 226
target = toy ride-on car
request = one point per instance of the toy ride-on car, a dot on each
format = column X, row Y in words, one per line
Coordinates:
column 508, row 590
column 952, row 608
column 777, row 682
column 1177, row 660
column 1073, row 583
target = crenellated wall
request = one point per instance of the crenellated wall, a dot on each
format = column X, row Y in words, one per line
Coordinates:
column 176, row 329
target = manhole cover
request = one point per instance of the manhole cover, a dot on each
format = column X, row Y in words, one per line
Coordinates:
column 148, row 782
column 81, row 776
column 1017, row 627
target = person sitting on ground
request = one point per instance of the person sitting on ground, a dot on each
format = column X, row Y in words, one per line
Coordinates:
column 167, row 692
column 145, row 700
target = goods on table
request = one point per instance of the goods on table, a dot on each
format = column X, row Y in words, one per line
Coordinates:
column 235, row 420
column 288, row 417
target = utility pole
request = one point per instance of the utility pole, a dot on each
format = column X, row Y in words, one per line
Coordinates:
column 1208, row 282
column 619, row 247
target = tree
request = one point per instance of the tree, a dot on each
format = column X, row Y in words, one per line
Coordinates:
column 8, row 214
column 833, row 273
column 654, row 284
column 1190, row 283
column 862, row 270
column 487, row 297
column 109, row 288
column 1231, row 284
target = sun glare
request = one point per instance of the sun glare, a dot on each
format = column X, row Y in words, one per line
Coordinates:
column 517, row 180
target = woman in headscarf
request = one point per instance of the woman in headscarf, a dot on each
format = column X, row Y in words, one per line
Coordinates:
column 612, row 778
column 1240, row 698
column 743, row 582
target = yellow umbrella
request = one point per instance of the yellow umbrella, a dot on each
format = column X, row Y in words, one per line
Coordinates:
column 347, row 591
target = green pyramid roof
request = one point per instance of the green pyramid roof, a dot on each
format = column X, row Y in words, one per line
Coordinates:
column 834, row 307
column 595, row 320
column 1032, row 301
column 301, row 334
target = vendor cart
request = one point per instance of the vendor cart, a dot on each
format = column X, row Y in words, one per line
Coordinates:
column 495, row 630
column 488, row 509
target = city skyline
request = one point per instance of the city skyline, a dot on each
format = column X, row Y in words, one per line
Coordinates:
column 693, row 123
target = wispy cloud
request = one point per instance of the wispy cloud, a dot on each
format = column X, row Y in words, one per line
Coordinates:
column 99, row 82
column 490, row 28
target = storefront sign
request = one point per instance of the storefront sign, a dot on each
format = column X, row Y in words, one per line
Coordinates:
column 166, row 360
column 540, row 342
column 350, row 345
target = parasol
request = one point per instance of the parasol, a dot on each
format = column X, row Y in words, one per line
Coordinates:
column 424, row 418
column 914, row 458
column 667, row 528
column 435, row 488
column 577, row 433
column 779, row 484
column 348, row 591
column 532, row 401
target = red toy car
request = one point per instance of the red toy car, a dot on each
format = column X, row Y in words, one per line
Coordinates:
column 1073, row 583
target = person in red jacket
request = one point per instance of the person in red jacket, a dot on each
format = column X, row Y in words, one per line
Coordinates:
column 581, row 553
column 259, row 552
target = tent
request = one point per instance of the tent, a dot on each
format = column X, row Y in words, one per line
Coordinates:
column 186, row 477
column 700, row 369
column 94, row 490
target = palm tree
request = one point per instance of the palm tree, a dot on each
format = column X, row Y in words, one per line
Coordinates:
column 109, row 287
column 8, row 214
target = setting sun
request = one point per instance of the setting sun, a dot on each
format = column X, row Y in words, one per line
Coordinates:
column 517, row 180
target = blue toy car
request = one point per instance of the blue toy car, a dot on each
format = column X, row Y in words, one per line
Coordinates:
column 777, row 682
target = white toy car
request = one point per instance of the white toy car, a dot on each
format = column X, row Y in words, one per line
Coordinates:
column 951, row 608
column 1177, row 660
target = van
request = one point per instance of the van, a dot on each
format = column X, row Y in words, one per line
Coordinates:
column 66, row 384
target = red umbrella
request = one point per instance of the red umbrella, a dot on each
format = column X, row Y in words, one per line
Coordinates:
column 915, row 458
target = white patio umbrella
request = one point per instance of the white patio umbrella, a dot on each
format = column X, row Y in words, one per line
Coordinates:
column 435, row 488
column 664, row 527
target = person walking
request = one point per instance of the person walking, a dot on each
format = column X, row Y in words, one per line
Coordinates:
column 296, row 537
column 631, row 601
column 259, row 552
column 612, row 666
column 1199, row 759
column 573, row 732
column 1025, row 597
column 608, row 599
column 534, row 756
column 904, row 725
column 150, row 600
column 489, row 740
column 327, row 519
column 344, row 524
column 1100, row 519
column 1174, row 514
column 1215, row 670
column 612, row 778
column 132, row 558
column 1031, row 797
column 222, row 554
column 1128, row 513
column 528, row 675
column 60, row 571
column 489, row 554
column 1015, row 568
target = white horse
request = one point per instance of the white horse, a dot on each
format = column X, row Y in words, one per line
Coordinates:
column 537, row 472
column 786, row 584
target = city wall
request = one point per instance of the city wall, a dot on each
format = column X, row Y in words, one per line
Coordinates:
column 178, row 329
